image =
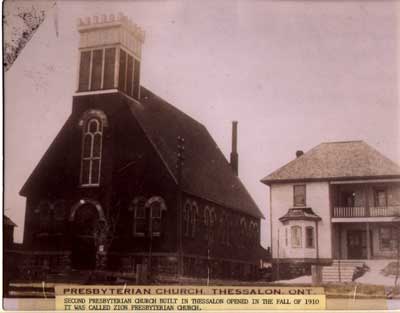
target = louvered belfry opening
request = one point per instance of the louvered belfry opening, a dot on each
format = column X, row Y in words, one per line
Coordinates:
column 110, row 54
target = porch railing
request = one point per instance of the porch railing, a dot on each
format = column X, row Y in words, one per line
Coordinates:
column 366, row 212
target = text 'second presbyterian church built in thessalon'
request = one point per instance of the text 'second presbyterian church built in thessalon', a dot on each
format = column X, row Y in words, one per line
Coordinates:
column 132, row 182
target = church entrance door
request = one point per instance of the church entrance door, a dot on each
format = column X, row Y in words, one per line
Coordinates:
column 83, row 248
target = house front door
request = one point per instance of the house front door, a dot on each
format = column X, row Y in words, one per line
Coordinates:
column 356, row 244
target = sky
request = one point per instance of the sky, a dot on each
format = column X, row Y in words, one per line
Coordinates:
column 292, row 73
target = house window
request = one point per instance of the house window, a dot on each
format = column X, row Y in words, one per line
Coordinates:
column 286, row 237
column 386, row 236
column 91, row 152
column 296, row 236
column 380, row 198
column 309, row 237
column 139, row 225
column 299, row 195
column 96, row 70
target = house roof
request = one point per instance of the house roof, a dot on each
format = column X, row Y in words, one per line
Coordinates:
column 7, row 221
column 335, row 161
column 300, row 214
column 206, row 173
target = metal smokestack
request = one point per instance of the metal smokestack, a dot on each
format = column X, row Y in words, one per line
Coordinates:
column 234, row 154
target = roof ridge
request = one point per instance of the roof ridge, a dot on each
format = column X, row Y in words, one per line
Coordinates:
column 339, row 142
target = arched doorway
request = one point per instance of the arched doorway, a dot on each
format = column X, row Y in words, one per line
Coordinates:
column 84, row 220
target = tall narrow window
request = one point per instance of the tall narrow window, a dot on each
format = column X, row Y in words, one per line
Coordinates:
column 193, row 218
column 186, row 218
column 122, row 70
column 209, row 220
column 296, row 236
column 45, row 216
column 309, row 237
column 286, row 237
column 129, row 76
column 139, row 225
column 109, row 68
column 299, row 195
column 97, row 66
column 156, row 206
column 91, row 152
column 136, row 79
column 84, row 71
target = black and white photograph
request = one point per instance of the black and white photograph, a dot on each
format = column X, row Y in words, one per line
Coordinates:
column 202, row 143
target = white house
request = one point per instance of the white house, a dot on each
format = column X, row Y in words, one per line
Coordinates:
column 337, row 201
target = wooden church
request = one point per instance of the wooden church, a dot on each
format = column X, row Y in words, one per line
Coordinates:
column 130, row 180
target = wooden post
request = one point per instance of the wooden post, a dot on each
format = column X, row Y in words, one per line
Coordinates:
column 367, row 210
column 369, row 254
column 277, row 263
column 340, row 251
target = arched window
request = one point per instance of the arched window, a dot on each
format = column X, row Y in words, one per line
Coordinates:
column 296, row 236
column 190, row 213
column 194, row 211
column 139, row 209
column 156, row 206
column 209, row 221
column 91, row 152
column 243, row 231
column 148, row 216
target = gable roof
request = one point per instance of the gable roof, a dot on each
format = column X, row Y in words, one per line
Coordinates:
column 335, row 161
column 206, row 173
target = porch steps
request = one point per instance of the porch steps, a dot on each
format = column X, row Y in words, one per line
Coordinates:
column 340, row 271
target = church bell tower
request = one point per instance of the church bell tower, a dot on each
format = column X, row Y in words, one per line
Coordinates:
column 110, row 50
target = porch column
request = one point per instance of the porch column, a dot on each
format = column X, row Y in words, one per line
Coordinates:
column 340, row 240
column 368, row 241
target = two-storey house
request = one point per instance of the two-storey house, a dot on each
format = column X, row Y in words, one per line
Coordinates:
column 337, row 201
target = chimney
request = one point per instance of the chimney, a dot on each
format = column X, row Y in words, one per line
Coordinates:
column 234, row 154
column 110, row 54
column 299, row 153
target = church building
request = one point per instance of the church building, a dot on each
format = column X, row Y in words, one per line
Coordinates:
column 130, row 180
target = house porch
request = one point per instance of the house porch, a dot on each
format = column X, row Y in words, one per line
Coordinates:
column 365, row 240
